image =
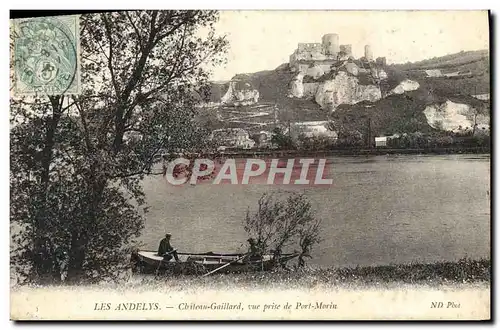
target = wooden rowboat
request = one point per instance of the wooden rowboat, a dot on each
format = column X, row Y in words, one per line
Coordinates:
column 200, row 263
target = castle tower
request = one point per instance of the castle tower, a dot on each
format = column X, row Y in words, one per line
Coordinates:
column 331, row 44
column 368, row 53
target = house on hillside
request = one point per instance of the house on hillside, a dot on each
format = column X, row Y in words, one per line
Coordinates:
column 232, row 138
column 381, row 141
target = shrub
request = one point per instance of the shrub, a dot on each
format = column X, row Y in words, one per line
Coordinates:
column 279, row 224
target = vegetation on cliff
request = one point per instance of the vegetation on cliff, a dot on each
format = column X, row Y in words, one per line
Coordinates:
column 395, row 113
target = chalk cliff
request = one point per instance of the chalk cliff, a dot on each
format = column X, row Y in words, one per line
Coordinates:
column 240, row 93
column 451, row 116
column 397, row 97
column 297, row 86
column 406, row 85
column 345, row 89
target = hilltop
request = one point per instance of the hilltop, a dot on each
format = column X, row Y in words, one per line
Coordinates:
column 444, row 83
column 462, row 61
column 465, row 73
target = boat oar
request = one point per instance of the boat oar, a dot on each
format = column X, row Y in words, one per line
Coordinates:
column 224, row 266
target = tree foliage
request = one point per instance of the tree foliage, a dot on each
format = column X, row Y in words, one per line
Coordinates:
column 282, row 140
column 77, row 161
column 280, row 224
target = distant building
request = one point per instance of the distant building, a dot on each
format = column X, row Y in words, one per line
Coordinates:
column 233, row 137
column 381, row 141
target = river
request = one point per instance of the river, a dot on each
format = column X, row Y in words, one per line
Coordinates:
column 379, row 210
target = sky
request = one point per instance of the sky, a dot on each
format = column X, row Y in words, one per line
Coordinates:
column 262, row 40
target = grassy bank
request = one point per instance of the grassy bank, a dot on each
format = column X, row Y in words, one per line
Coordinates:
column 439, row 273
column 463, row 271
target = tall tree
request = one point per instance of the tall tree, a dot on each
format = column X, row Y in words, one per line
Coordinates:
column 78, row 161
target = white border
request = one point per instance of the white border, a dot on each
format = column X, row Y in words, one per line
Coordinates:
column 257, row 4
column 189, row 4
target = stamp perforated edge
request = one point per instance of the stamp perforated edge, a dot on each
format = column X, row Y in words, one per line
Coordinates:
column 75, row 88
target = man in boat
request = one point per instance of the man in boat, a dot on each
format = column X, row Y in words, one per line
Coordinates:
column 166, row 250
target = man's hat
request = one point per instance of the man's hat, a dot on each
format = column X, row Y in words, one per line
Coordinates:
column 168, row 234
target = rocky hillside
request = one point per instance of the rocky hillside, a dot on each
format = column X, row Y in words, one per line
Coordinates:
column 466, row 73
column 438, row 93
column 448, row 97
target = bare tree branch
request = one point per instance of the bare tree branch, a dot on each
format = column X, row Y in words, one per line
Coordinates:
column 107, row 26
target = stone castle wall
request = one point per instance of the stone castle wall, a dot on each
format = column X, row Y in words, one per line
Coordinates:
column 307, row 52
column 310, row 47
column 315, row 59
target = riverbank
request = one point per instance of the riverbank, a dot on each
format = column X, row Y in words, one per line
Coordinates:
column 463, row 271
column 356, row 152
column 429, row 274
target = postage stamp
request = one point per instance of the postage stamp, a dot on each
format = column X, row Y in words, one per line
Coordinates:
column 252, row 165
column 46, row 55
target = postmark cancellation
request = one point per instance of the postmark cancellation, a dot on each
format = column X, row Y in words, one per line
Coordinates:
column 46, row 55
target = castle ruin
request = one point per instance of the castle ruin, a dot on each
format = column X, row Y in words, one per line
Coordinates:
column 328, row 73
column 316, row 59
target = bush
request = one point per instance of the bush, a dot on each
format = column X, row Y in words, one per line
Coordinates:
column 282, row 140
column 278, row 224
